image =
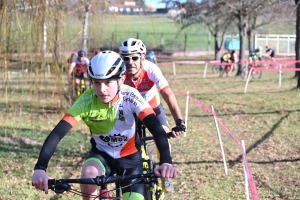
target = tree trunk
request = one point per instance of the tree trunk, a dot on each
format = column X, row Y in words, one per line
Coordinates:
column 250, row 40
column 243, row 34
column 85, row 26
column 57, row 32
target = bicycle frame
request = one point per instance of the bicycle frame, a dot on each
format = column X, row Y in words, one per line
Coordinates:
column 81, row 87
column 155, row 191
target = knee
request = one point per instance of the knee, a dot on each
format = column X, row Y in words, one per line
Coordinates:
column 91, row 169
column 167, row 130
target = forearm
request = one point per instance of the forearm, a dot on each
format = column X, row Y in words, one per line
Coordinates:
column 160, row 138
column 71, row 68
column 50, row 144
column 171, row 101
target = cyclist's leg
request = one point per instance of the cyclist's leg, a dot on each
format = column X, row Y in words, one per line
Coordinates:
column 130, row 165
column 94, row 165
column 228, row 69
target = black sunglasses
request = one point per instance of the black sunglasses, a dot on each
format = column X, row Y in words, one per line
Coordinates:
column 127, row 58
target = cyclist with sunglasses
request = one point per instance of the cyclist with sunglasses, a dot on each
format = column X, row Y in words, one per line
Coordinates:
column 109, row 110
column 148, row 79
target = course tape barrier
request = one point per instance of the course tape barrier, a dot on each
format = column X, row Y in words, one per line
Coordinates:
column 274, row 62
column 253, row 190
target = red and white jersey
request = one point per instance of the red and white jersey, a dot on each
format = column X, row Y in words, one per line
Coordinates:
column 150, row 81
column 81, row 67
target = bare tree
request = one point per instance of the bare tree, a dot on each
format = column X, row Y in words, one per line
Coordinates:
column 246, row 11
column 208, row 12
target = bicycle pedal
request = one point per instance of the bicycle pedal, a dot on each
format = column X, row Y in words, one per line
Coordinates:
column 167, row 184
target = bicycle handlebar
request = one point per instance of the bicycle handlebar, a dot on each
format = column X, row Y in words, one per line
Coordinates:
column 169, row 135
column 62, row 185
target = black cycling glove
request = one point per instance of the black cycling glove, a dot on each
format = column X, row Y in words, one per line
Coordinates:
column 179, row 126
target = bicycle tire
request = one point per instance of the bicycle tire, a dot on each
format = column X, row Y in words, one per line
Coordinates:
column 215, row 69
column 256, row 74
column 221, row 71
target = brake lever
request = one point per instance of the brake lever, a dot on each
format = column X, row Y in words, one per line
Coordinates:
column 59, row 188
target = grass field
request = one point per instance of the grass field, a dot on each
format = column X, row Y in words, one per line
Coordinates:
column 157, row 31
column 266, row 118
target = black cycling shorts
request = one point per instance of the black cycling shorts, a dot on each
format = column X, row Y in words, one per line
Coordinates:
column 161, row 115
column 129, row 165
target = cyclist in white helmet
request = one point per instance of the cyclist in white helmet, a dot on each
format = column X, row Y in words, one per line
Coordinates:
column 108, row 110
column 148, row 79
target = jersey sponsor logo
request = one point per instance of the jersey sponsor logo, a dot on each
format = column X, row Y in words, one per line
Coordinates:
column 144, row 87
column 127, row 82
column 133, row 95
column 115, row 140
column 121, row 115
column 96, row 117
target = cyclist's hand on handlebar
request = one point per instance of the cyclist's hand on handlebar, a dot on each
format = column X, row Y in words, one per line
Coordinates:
column 166, row 170
column 40, row 180
column 178, row 130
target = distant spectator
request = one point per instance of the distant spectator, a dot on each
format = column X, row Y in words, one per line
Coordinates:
column 152, row 57
column 270, row 54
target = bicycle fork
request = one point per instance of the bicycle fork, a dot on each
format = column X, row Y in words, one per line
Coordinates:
column 156, row 191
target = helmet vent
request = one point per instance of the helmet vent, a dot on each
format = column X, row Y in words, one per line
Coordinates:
column 133, row 43
column 111, row 70
column 91, row 69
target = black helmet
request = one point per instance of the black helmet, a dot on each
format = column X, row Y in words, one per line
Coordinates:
column 81, row 53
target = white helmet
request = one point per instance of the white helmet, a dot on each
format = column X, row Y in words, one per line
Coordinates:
column 106, row 64
column 260, row 48
column 132, row 45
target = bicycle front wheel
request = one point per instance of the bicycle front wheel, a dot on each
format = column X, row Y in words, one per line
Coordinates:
column 215, row 69
column 244, row 72
column 256, row 74
column 221, row 71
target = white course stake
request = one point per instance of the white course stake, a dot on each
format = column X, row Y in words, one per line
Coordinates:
column 246, row 177
column 220, row 139
column 280, row 75
column 248, row 78
column 186, row 112
column 205, row 69
column 174, row 69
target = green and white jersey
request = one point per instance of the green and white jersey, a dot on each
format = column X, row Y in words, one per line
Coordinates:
column 112, row 125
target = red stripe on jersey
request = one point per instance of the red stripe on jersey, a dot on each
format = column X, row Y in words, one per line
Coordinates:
column 129, row 148
column 70, row 119
column 144, row 113
column 143, row 83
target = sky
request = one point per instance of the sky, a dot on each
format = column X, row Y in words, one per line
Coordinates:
column 155, row 4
